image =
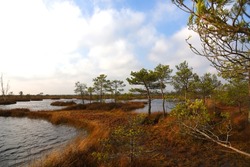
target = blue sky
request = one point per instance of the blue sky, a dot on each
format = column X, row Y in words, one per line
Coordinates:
column 48, row 45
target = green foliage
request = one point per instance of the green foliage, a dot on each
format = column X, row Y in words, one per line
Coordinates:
column 200, row 6
column 101, row 84
column 124, row 141
column 194, row 119
column 194, row 111
column 234, row 93
column 103, row 156
column 116, row 86
column 80, row 88
column 162, row 73
column 146, row 78
column 232, row 71
column 143, row 77
column 224, row 30
column 90, row 92
column 100, row 156
column 183, row 78
column 206, row 85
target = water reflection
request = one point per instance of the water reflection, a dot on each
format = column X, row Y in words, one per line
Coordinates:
column 36, row 105
column 23, row 139
column 156, row 106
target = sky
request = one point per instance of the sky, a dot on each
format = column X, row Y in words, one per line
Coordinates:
column 48, row 45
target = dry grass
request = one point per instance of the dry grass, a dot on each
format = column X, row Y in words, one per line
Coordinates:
column 163, row 145
column 129, row 106
column 63, row 103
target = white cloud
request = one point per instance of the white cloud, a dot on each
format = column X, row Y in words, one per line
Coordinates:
column 48, row 45
column 42, row 43
column 115, row 59
column 174, row 50
column 165, row 11
column 35, row 38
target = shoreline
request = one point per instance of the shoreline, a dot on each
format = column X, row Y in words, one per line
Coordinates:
column 79, row 119
column 82, row 143
column 163, row 147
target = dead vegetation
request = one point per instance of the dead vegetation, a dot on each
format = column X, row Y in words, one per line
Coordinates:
column 160, row 144
column 63, row 103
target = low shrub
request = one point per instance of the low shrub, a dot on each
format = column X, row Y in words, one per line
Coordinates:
column 129, row 106
column 76, row 107
column 19, row 112
column 7, row 102
column 63, row 103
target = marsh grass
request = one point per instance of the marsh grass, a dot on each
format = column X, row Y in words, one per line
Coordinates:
column 129, row 106
column 63, row 103
column 162, row 146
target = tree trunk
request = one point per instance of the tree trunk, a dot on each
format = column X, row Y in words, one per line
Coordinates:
column 223, row 144
column 163, row 103
column 82, row 96
column 248, row 96
column 163, row 106
column 149, row 101
column 101, row 93
column 90, row 98
column 149, row 104
column 215, row 139
column 115, row 96
column 185, row 94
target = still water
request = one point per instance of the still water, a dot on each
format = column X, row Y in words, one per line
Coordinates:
column 23, row 140
column 34, row 105
column 156, row 105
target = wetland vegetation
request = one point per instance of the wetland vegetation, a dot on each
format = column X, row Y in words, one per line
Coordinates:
column 210, row 125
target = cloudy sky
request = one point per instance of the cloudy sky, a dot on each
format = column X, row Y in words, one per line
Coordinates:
column 48, row 45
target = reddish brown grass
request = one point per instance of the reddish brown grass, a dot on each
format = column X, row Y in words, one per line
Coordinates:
column 163, row 145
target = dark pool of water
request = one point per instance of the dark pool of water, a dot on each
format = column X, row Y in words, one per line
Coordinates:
column 23, row 140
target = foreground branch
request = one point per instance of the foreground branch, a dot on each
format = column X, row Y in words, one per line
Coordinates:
column 216, row 141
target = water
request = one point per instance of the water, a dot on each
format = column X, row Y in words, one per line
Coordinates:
column 156, row 106
column 37, row 105
column 23, row 140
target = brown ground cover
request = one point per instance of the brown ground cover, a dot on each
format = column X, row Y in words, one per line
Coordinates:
column 63, row 103
column 160, row 144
